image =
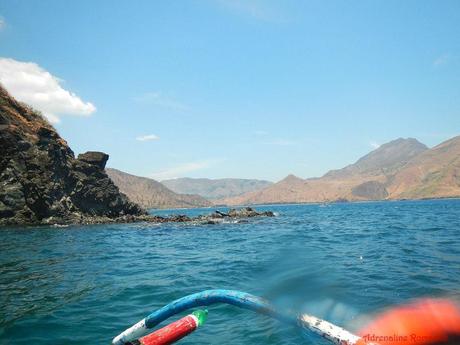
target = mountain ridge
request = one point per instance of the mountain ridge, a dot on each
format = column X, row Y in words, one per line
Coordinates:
column 150, row 193
column 435, row 173
column 386, row 159
column 215, row 189
column 398, row 169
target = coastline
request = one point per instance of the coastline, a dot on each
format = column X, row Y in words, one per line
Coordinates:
column 338, row 202
column 215, row 217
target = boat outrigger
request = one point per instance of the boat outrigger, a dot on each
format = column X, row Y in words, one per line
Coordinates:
column 423, row 322
column 175, row 331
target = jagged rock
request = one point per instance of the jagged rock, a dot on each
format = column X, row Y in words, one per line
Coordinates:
column 248, row 212
column 95, row 158
column 179, row 218
column 219, row 214
column 239, row 214
column 41, row 182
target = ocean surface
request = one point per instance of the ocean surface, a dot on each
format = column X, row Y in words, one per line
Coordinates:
column 343, row 262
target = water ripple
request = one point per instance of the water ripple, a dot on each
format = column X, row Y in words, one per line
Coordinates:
column 81, row 285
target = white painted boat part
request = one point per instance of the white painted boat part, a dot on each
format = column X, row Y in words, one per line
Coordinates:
column 134, row 332
column 327, row 330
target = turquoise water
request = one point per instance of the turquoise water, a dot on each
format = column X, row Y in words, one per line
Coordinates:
column 344, row 262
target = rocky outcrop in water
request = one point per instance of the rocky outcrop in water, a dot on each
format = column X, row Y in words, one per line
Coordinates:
column 238, row 215
column 41, row 181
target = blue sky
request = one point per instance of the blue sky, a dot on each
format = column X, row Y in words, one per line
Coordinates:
column 250, row 89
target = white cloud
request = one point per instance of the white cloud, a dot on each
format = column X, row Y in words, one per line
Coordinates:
column 2, row 23
column 442, row 60
column 181, row 170
column 31, row 84
column 160, row 100
column 260, row 133
column 148, row 137
column 374, row 145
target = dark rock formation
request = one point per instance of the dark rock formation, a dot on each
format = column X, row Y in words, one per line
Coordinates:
column 370, row 190
column 248, row 212
column 41, row 182
column 238, row 214
column 98, row 159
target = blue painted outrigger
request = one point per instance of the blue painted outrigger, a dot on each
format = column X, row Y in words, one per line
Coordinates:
column 329, row 331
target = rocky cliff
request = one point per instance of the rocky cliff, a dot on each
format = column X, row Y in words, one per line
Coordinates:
column 41, row 181
column 152, row 194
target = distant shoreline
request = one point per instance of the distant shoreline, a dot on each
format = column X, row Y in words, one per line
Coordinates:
column 303, row 203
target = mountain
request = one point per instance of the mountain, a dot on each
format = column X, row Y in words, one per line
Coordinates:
column 386, row 159
column 41, row 181
column 402, row 168
column 290, row 189
column 152, row 194
column 433, row 174
column 214, row 189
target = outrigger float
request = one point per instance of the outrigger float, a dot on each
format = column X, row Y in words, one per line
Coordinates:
column 138, row 334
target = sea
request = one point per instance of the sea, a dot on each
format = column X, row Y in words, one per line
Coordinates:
column 344, row 262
